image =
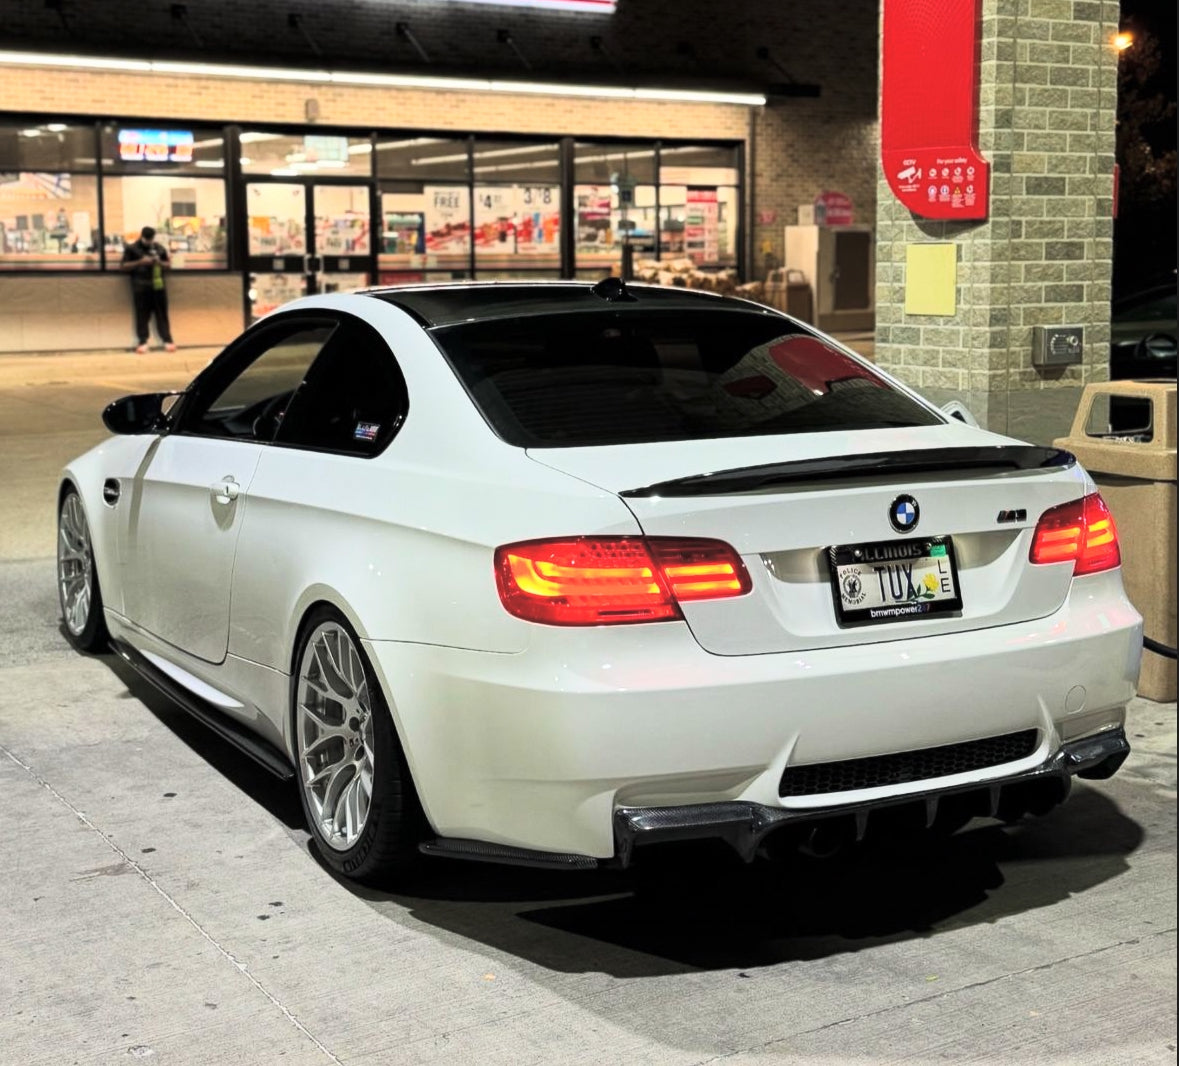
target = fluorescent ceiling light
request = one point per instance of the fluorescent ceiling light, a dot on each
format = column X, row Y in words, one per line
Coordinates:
column 210, row 163
column 411, row 142
column 598, row 7
column 391, row 81
column 530, row 149
column 495, row 168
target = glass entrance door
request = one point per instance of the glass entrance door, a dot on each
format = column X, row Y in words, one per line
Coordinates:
column 343, row 252
column 306, row 237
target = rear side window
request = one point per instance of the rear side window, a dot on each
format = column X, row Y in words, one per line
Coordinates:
column 631, row 376
column 354, row 399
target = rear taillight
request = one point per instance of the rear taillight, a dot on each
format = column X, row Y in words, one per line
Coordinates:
column 1082, row 532
column 593, row 581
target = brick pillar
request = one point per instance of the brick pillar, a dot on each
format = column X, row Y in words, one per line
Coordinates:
column 1047, row 106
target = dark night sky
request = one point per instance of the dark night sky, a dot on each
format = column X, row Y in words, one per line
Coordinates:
column 1140, row 258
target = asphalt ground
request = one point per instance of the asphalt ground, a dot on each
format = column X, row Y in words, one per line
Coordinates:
column 160, row 899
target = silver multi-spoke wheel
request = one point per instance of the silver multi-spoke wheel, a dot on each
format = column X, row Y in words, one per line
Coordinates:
column 334, row 723
column 75, row 571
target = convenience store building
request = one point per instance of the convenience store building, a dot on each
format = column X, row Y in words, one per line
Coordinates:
column 258, row 205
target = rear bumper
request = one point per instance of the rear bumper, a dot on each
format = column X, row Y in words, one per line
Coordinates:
column 539, row 750
column 746, row 825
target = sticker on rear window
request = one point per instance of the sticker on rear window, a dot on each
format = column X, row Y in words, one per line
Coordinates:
column 366, row 430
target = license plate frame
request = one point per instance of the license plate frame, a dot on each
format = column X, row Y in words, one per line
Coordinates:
column 864, row 562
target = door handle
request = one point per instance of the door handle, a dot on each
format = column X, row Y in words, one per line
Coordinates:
column 225, row 491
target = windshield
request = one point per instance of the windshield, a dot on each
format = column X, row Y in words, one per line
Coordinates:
column 629, row 376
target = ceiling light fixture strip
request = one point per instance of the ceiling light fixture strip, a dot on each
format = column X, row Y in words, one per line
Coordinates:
column 404, row 81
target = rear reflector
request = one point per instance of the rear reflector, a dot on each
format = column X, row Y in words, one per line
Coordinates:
column 1082, row 532
column 593, row 581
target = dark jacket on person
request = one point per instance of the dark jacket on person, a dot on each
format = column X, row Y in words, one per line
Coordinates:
column 141, row 275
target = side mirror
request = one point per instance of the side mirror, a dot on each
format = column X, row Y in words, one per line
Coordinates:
column 1160, row 346
column 145, row 413
column 957, row 409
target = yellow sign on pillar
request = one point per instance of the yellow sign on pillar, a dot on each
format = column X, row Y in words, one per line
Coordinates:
column 931, row 279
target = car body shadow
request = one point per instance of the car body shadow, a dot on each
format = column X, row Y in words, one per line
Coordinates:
column 699, row 908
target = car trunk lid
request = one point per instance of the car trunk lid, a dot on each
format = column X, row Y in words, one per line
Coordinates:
column 785, row 504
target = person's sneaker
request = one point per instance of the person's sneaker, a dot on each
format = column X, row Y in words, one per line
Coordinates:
column 141, row 349
column 169, row 347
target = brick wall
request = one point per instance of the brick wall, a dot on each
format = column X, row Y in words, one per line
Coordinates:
column 1047, row 109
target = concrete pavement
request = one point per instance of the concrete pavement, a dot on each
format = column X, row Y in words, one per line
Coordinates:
column 161, row 902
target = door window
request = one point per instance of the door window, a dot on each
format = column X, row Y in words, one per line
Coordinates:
column 245, row 393
column 354, row 400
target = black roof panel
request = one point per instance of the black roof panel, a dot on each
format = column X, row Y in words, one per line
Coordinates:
column 448, row 305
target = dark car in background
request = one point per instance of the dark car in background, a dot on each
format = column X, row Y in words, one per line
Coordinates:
column 1143, row 334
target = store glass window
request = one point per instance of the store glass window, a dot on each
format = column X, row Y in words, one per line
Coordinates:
column 698, row 204
column 425, row 196
column 615, row 205
column 517, row 207
column 276, row 218
column 603, row 163
column 425, row 227
column 342, row 220
column 172, row 179
column 46, row 146
column 699, row 222
column 48, row 221
column 424, row 159
column 681, row 164
column 187, row 213
column 48, row 197
column 308, row 154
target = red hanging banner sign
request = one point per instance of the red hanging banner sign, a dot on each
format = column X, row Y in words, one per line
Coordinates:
column 929, row 108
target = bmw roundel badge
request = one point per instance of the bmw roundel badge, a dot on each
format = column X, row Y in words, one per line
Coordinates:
column 903, row 514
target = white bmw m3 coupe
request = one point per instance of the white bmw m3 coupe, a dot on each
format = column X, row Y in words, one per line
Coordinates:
column 547, row 573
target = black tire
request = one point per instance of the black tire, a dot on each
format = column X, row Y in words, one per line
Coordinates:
column 85, row 630
column 393, row 825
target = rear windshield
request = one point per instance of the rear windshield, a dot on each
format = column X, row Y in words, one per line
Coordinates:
column 631, row 376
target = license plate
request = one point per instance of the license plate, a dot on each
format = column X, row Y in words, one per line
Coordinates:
column 894, row 581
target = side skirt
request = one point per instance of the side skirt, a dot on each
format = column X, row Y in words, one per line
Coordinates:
column 261, row 751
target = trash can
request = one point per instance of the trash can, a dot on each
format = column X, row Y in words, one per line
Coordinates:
column 1124, row 435
column 789, row 291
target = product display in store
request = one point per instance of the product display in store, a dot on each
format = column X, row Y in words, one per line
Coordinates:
column 270, row 291
column 47, row 218
column 342, row 220
column 403, row 233
column 701, row 225
column 277, row 219
column 517, row 225
column 187, row 213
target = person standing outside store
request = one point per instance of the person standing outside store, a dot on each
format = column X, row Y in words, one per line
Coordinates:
column 146, row 261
